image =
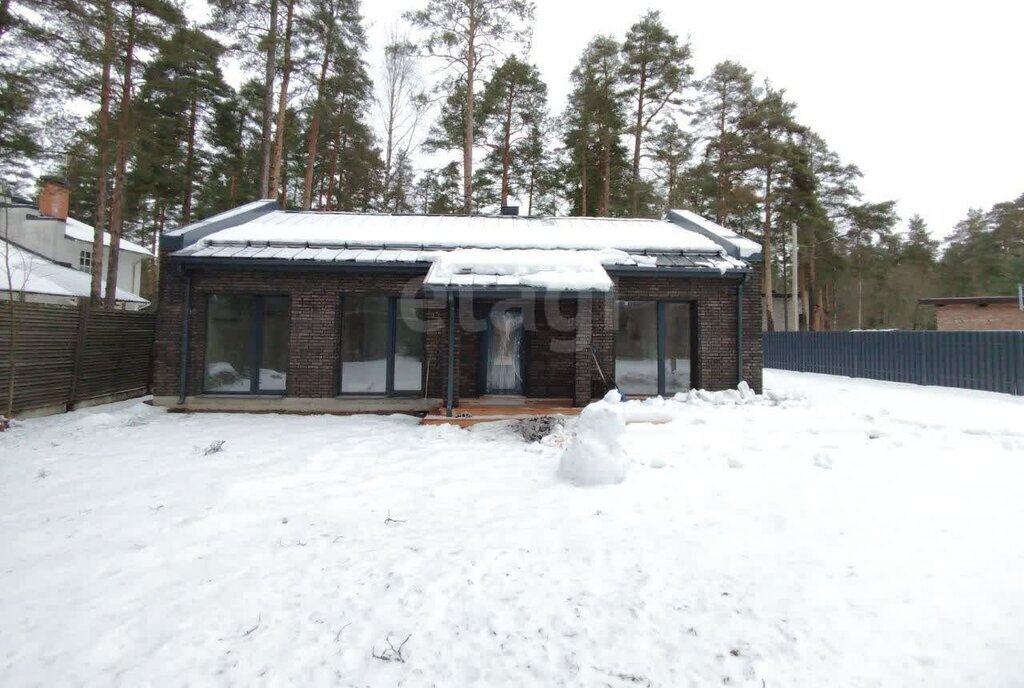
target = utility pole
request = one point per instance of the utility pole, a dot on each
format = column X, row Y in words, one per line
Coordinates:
column 794, row 300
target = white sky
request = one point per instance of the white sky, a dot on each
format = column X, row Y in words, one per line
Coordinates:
column 927, row 98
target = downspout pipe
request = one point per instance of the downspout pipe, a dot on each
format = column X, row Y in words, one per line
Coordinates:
column 183, row 369
column 739, row 328
column 449, row 401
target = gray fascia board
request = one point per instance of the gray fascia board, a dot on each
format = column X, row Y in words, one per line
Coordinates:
column 180, row 238
column 628, row 271
column 729, row 247
column 285, row 265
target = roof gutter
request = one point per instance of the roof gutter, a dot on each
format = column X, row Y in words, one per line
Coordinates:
column 285, row 265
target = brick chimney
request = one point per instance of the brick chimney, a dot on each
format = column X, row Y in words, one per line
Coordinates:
column 53, row 199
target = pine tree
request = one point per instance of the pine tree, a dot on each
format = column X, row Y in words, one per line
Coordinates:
column 145, row 22
column 726, row 99
column 769, row 127
column 655, row 68
column 181, row 92
column 512, row 107
column 334, row 32
column 465, row 34
column 255, row 26
column 594, row 123
column 672, row 149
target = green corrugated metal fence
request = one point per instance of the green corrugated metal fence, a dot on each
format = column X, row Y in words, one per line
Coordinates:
column 992, row 361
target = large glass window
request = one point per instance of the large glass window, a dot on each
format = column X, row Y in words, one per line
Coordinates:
column 382, row 340
column 636, row 347
column 678, row 337
column 246, row 344
column 653, row 347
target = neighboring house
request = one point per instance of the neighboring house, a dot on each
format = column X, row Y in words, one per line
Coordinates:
column 47, row 231
column 37, row 279
column 978, row 312
column 263, row 309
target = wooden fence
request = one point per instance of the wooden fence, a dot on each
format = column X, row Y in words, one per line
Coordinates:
column 992, row 361
column 65, row 356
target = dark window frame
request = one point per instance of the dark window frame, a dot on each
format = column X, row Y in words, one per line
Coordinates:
column 660, row 335
column 255, row 348
column 390, row 345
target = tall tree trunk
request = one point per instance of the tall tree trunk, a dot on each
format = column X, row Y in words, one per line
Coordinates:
column 269, row 76
column 529, row 196
column 124, row 131
column 585, row 135
column 334, row 168
column 814, row 306
column 467, row 133
column 103, row 151
column 506, row 146
column 276, row 189
column 637, row 136
column 314, row 131
column 190, row 154
column 720, row 209
column 769, row 296
column 604, row 203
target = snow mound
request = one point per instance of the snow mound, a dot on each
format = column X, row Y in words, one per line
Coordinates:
column 741, row 396
column 596, row 456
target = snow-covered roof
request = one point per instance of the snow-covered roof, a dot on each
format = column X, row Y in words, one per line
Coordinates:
column 463, row 231
column 536, row 268
column 34, row 274
column 461, row 251
column 79, row 231
column 241, row 250
column 735, row 244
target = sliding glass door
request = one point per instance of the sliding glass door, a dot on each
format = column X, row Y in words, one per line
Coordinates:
column 653, row 345
column 382, row 340
column 246, row 344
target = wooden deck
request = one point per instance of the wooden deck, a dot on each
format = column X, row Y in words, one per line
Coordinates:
column 494, row 408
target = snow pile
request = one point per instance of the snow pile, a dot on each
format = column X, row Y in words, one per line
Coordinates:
column 548, row 269
column 595, row 456
column 741, row 396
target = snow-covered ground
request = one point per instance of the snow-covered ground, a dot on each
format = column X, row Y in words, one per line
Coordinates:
column 844, row 533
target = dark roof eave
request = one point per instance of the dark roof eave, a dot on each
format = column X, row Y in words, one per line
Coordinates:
column 967, row 300
column 631, row 270
column 286, row 265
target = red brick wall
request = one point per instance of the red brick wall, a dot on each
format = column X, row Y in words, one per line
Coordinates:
column 559, row 358
column 994, row 316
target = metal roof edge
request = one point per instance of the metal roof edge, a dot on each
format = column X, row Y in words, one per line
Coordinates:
column 178, row 239
column 731, row 248
column 287, row 264
column 629, row 270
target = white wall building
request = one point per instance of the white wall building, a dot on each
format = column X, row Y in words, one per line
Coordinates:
column 48, row 233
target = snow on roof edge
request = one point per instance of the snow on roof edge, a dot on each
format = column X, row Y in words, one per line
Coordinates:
column 80, row 231
column 417, row 231
column 734, row 243
column 44, row 276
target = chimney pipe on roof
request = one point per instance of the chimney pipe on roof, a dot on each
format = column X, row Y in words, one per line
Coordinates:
column 53, row 199
column 510, row 210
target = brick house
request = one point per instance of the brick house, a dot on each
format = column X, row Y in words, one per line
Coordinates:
column 963, row 313
column 262, row 309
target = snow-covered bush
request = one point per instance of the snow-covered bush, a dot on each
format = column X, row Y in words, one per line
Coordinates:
column 595, row 456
